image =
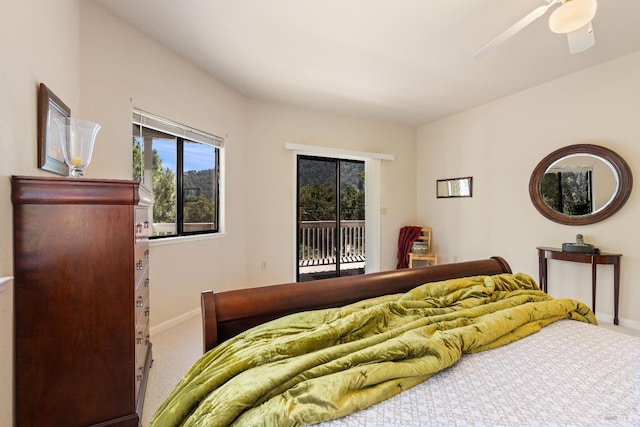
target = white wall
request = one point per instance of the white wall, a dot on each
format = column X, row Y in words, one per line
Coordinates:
column 271, row 220
column 122, row 68
column 38, row 43
column 500, row 143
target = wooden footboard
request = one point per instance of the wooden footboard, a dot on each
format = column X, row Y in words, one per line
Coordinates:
column 226, row 314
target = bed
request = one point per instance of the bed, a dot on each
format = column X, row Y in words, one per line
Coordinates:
column 552, row 372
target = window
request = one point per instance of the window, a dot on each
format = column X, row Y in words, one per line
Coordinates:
column 182, row 167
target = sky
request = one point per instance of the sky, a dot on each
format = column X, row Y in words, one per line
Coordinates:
column 196, row 156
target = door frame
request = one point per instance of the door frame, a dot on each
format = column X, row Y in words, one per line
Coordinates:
column 372, row 196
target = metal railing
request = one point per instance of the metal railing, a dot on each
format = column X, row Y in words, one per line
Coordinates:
column 319, row 243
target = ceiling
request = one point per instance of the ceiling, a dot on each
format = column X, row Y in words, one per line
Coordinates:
column 404, row 61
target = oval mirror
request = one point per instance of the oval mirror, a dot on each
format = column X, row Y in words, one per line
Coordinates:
column 580, row 184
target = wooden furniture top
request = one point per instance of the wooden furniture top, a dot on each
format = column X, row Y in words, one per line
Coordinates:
column 558, row 253
column 40, row 190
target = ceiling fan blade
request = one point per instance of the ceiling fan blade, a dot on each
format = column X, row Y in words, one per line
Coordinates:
column 581, row 39
column 515, row 28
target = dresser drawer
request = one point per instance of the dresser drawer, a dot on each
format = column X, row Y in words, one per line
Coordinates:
column 141, row 297
column 142, row 347
column 141, row 224
column 142, row 342
column 141, row 261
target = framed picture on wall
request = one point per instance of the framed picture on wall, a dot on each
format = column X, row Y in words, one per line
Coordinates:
column 454, row 187
column 50, row 156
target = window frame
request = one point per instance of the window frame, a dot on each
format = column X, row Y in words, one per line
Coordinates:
column 184, row 134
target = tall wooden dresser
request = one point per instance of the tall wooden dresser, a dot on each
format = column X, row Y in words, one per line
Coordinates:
column 82, row 350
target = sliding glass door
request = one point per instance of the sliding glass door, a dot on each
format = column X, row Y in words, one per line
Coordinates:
column 331, row 218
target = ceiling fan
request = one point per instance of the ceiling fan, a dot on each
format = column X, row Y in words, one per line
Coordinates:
column 572, row 17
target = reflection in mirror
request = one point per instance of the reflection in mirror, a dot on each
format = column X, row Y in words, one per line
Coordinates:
column 580, row 184
column 454, row 187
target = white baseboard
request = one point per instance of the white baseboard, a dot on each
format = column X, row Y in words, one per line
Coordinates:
column 154, row 330
column 626, row 323
column 631, row 324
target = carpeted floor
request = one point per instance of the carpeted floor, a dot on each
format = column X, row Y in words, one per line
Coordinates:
column 174, row 351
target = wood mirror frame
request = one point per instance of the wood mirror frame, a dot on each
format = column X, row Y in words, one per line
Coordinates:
column 619, row 167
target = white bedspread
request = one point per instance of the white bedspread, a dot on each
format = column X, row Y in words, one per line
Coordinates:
column 568, row 374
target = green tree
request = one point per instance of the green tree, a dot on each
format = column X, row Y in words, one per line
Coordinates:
column 138, row 164
column 164, row 191
column 199, row 206
column 198, row 210
column 317, row 203
column 351, row 203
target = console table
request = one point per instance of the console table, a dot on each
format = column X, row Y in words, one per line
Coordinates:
column 545, row 253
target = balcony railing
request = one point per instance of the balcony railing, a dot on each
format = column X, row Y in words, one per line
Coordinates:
column 319, row 244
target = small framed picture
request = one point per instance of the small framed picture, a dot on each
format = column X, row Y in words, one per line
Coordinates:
column 50, row 156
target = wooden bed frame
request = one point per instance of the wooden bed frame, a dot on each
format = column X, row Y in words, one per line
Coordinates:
column 228, row 313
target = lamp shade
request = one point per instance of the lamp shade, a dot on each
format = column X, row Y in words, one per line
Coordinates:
column 571, row 15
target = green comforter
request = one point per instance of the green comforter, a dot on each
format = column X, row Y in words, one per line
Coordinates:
column 319, row 365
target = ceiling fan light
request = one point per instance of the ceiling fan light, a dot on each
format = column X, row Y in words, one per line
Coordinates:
column 572, row 15
column 581, row 39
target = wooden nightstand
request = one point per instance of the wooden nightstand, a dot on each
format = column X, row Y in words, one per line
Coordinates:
column 430, row 257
